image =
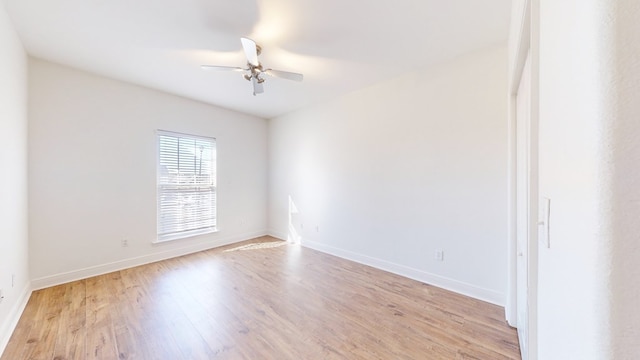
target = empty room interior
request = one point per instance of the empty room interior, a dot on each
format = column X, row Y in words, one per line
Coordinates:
column 253, row 179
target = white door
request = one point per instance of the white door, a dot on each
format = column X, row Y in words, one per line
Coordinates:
column 523, row 199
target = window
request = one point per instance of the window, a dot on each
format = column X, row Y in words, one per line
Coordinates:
column 186, row 185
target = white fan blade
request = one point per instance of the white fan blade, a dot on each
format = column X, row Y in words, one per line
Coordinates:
column 250, row 51
column 221, row 68
column 257, row 87
column 284, row 74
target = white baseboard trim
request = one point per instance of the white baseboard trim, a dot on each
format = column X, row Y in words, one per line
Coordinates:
column 9, row 325
column 490, row 296
column 278, row 235
column 62, row 278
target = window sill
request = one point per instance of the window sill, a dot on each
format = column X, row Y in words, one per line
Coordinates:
column 184, row 235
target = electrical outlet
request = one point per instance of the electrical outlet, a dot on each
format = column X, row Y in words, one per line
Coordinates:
column 13, row 280
column 317, row 228
column 439, row 255
column 125, row 243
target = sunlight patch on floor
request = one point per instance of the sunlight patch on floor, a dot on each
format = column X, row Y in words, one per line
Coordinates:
column 257, row 246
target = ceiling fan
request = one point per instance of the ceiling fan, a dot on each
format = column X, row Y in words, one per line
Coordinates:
column 254, row 70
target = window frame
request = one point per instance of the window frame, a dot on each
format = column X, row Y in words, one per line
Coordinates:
column 182, row 234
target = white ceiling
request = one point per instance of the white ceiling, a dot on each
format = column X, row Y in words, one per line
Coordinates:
column 339, row 45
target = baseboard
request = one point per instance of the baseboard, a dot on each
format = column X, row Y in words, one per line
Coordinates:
column 456, row 286
column 278, row 235
column 62, row 278
column 7, row 328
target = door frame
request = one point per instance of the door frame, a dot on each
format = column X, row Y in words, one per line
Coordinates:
column 524, row 39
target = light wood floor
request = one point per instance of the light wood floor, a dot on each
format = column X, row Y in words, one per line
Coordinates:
column 269, row 301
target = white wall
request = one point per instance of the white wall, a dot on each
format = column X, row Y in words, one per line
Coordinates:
column 92, row 166
column 13, row 178
column 572, row 320
column 589, row 154
column 625, row 210
column 395, row 171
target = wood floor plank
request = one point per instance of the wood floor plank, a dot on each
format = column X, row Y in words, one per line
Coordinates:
column 70, row 342
column 187, row 339
column 100, row 341
column 129, row 335
column 261, row 299
column 15, row 349
column 220, row 328
column 155, row 336
column 42, row 338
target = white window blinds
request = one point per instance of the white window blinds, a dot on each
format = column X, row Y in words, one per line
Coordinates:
column 186, row 185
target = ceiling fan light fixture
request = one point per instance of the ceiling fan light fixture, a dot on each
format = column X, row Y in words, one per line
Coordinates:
column 254, row 68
